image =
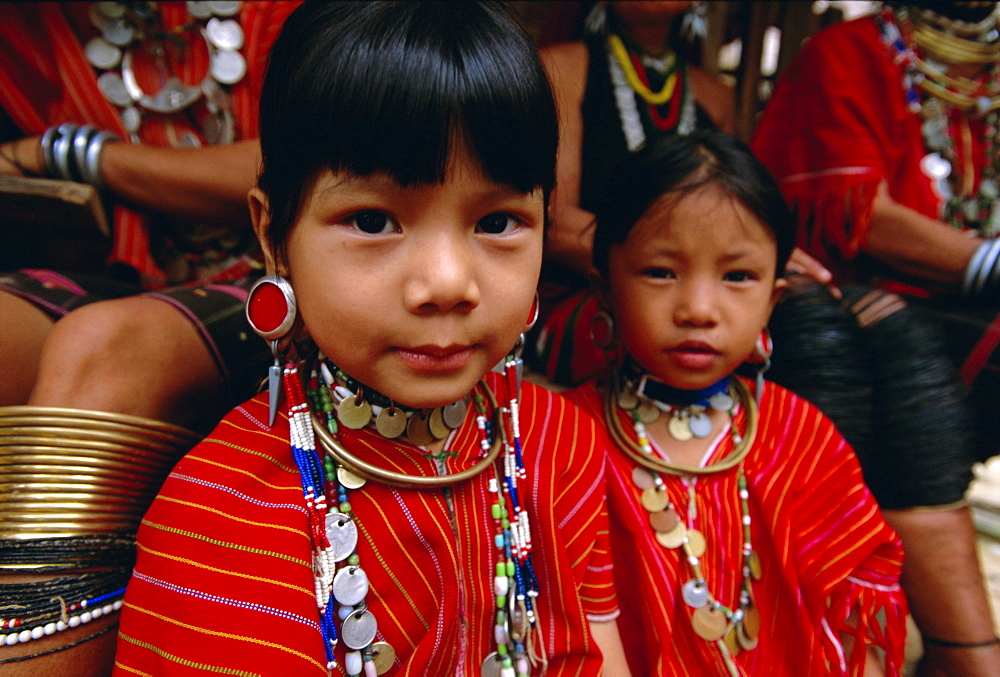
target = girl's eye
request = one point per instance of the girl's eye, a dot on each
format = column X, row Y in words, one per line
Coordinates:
column 372, row 222
column 497, row 224
column 658, row 273
column 739, row 276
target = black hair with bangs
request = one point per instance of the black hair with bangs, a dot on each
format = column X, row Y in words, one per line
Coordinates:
column 682, row 165
column 390, row 87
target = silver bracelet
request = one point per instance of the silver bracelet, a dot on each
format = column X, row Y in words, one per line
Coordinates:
column 61, row 150
column 90, row 167
column 972, row 270
column 81, row 137
column 989, row 262
column 48, row 141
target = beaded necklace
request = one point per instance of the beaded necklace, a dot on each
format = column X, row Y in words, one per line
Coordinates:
column 945, row 99
column 731, row 630
column 334, row 527
column 629, row 78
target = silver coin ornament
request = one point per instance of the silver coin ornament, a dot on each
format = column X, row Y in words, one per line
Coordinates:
column 935, row 167
column 721, row 401
column 695, row 593
column 700, row 425
column 224, row 33
column 350, row 585
column 102, row 54
column 228, row 67
column 454, row 413
column 113, row 89
column 342, row 533
column 359, row 629
column 492, row 665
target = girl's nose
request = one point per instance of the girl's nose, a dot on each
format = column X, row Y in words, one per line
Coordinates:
column 442, row 275
column 696, row 305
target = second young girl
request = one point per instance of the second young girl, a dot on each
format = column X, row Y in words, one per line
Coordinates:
column 744, row 539
column 410, row 511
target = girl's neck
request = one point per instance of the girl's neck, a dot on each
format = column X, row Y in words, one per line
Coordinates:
column 649, row 40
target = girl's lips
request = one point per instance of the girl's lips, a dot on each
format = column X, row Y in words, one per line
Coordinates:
column 436, row 358
column 694, row 355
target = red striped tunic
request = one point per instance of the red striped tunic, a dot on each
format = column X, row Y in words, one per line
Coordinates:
column 224, row 584
column 824, row 549
column 45, row 79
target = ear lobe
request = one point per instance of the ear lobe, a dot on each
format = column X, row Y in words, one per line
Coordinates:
column 260, row 217
column 780, row 285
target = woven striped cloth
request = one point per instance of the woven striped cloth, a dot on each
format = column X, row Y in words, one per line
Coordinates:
column 224, row 584
column 824, row 549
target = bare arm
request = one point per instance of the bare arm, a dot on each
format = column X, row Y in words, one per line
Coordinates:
column 917, row 245
column 207, row 184
column 608, row 640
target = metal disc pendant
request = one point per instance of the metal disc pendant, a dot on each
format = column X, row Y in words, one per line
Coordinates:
column 228, row 67
column 935, row 167
column 492, row 665
column 664, row 521
column 655, row 499
column 751, row 621
column 627, row 400
column 679, row 429
column 113, row 89
column 350, row 480
column 359, row 629
column 383, row 656
column 642, row 478
column 350, row 585
column 674, row 538
column 746, row 642
column 454, row 413
column 695, row 543
column 721, row 401
column 695, row 593
column 102, row 54
column 391, row 422
column 342, row 533
column 732, row 643
column 224, row 33
column 436, row 424
column 417, row 429
column 754, row 565
column 354, row 413
column 700, row 425
column 519, row 625
column 709, row 623
column 648, row 413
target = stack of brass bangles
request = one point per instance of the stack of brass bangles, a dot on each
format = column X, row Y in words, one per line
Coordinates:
column 982, row 275
column 73, row 152
column 74, row 485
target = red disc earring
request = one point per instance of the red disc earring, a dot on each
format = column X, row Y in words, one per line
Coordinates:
column 762, row 348
column 271, row 307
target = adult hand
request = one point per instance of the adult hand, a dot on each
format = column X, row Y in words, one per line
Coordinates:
column 800, row 263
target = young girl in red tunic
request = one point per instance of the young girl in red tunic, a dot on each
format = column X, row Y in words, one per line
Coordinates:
column 394, row 504
column 744, row 540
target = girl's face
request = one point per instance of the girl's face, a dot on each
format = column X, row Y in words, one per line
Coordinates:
column 692, row 286
column 416, row 292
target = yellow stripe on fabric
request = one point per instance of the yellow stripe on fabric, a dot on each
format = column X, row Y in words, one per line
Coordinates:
column 241, row 471
column 180, row 661
column 226, row 544
column 226, row 635
column 229, row 516
column 198, row 565
column 126, row 668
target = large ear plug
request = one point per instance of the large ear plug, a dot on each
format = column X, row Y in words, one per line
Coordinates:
column 271, row 307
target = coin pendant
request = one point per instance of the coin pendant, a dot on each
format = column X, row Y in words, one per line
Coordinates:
column 454, row 413
column 519, row 625
column 755, row 570
column 731, row 642
column 383, row 656
column 648, row 413
column 679, row 429
column 745, row 641
column 354, row 413
column 751, row 622
column 350, row 585
column 709, row 623
column 695, row 543
column 664, row 521
column 342, row 533
column 627, row 400
column 418, row 429
column 721, row 401
column 700, row 425
column 391, row 422
column 695, row 593
column 436, row 424
column 359, row 629
column 349, row 480
column 674, row 538
column 655, row 499
column 642, row 478
column 492, row 665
